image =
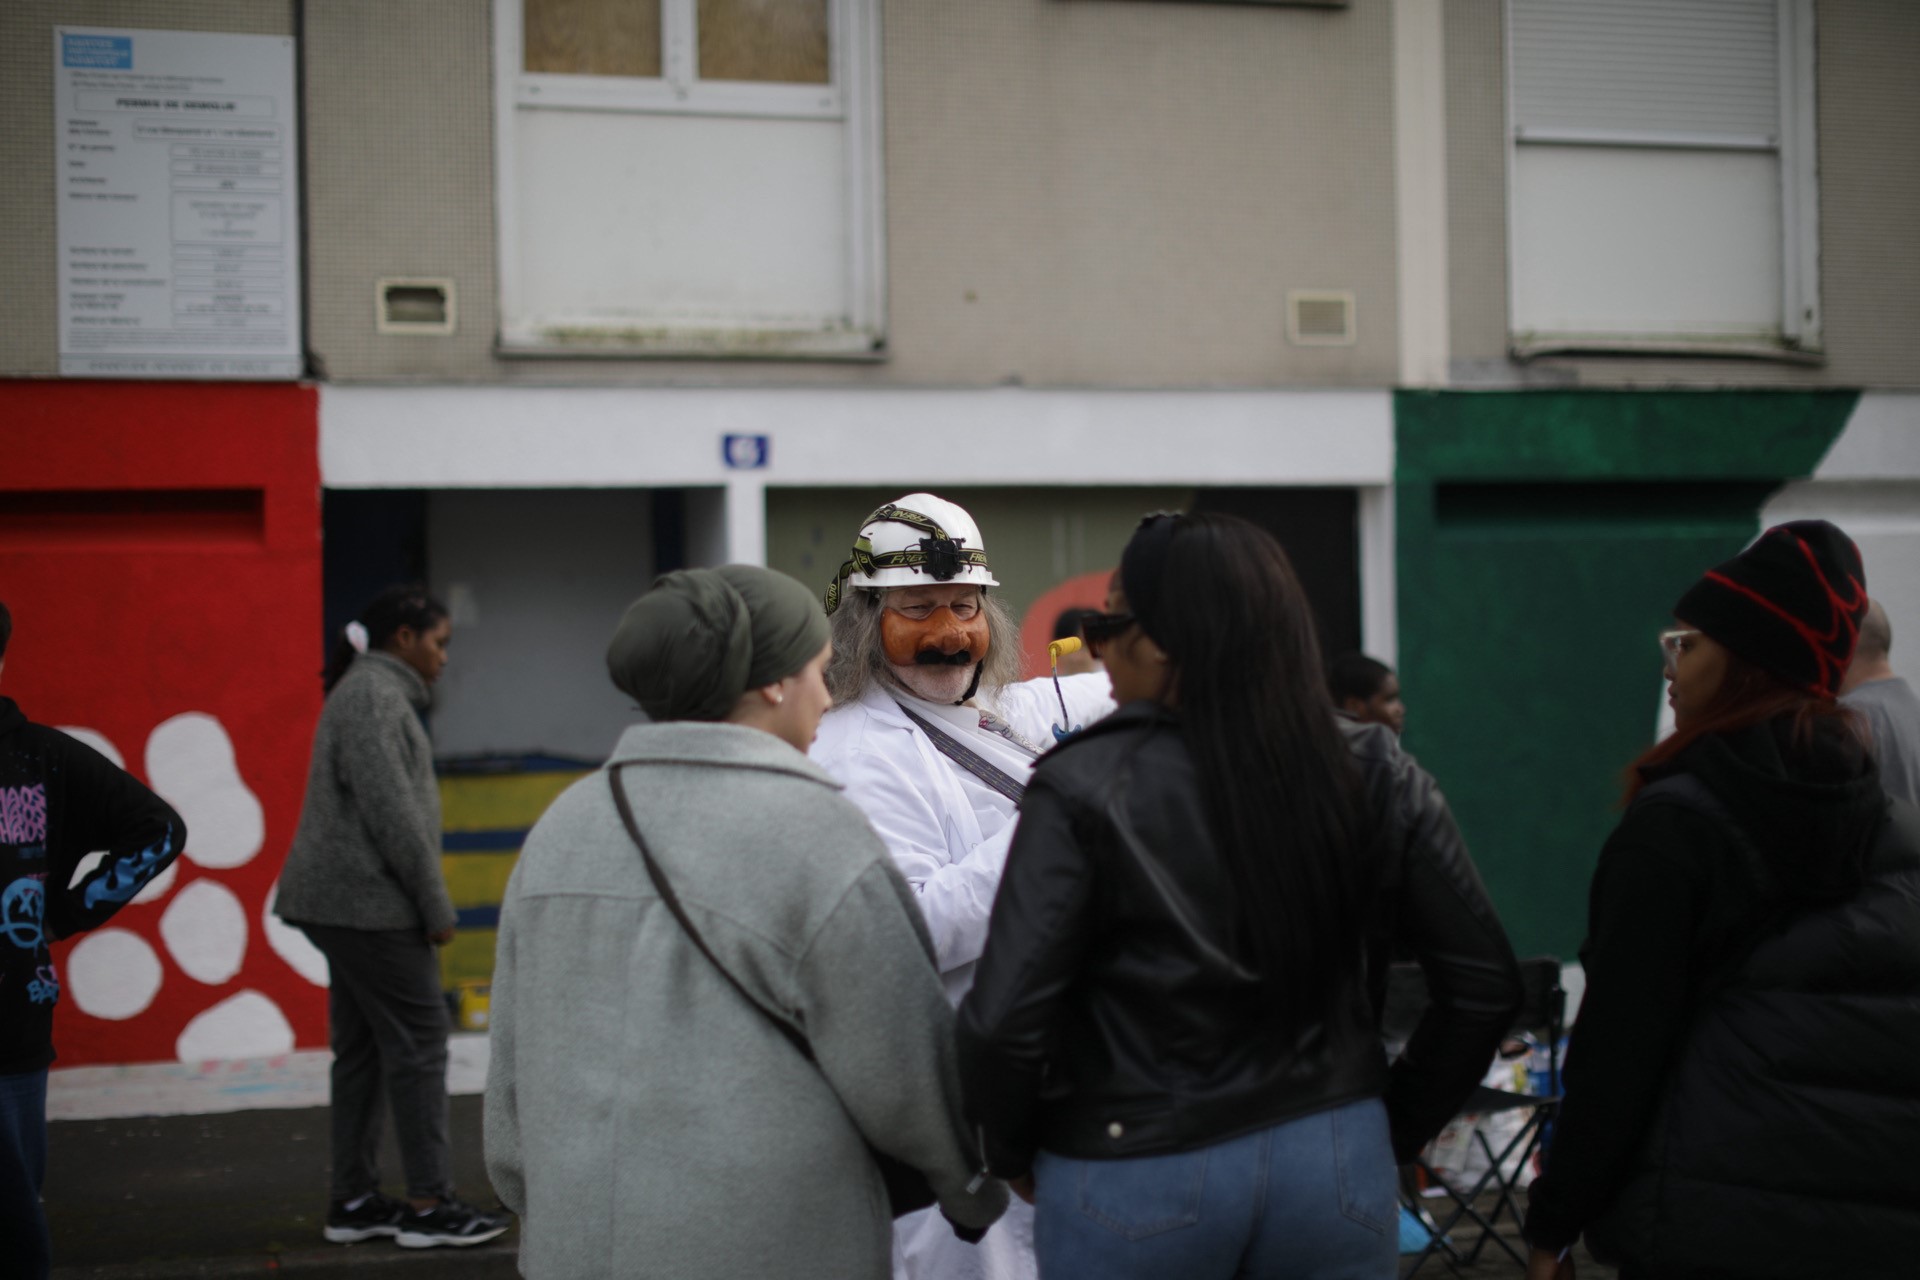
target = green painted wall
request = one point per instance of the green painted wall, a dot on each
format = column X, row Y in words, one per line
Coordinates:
column 1542, row 538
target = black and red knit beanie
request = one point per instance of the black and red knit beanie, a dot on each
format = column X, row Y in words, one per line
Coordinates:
column 1791, row 604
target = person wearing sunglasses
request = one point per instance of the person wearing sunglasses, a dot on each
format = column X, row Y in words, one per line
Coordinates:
column 1742, row 1097
column 1171, row 1044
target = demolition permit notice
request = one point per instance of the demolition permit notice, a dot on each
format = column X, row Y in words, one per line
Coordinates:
column 177, row 182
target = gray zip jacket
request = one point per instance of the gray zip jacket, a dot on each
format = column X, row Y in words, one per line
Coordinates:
column 644, row 1119
column 366, row 854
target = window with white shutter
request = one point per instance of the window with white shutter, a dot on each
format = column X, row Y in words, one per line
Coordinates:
column 1661, row 177
column 689, row 177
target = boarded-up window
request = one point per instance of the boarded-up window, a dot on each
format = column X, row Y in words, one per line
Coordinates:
column 783, row 41
column 689, row 177
column 592, row 37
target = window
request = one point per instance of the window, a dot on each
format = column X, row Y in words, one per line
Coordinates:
column 689, row 177
column 1661, row 177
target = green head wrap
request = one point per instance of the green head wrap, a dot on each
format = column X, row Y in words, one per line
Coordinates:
column 700, row 638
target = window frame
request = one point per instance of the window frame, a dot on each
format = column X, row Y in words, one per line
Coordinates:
column 851, row 96
column 1795, row 144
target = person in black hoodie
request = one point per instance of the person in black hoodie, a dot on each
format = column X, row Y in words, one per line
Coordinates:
column 1170, row 1045
column 1742, row 1096
column 59, row 801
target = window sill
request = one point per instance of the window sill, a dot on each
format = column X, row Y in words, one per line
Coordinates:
column 730, row 345
column 1525, row 347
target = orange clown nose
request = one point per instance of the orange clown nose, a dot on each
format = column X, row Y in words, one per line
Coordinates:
column 938, row 639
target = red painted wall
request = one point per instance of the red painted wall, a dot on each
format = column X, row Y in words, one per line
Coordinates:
column 1088, row 591
column 160, row 551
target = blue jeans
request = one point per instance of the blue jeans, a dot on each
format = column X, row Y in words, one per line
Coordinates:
column 1314, row 1197
column 23, row 1168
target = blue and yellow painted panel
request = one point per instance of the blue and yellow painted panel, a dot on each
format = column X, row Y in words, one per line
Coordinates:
column 486, row 810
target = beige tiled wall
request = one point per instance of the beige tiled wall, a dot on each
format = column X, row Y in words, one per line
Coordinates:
column 29, row 271
column 400, row 173
column 1869, row 175
column 1077, row 194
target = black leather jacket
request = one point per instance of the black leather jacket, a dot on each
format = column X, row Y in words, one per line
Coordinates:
column 1107, row 1019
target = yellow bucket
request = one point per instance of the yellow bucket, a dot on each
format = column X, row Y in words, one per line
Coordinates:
column 475, row 999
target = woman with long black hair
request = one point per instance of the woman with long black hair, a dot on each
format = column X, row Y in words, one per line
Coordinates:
column 1742, row 1094
column 363, row 881
column 1171, row 1044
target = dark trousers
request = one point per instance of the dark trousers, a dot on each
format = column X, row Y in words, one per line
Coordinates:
column 23, row 1169
column 389, row 1033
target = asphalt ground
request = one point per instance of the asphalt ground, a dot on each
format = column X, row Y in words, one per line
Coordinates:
column 244, row 1194
column 237, row 1194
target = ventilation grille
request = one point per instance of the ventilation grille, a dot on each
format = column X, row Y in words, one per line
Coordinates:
column 413, row 306
column 1320, row 319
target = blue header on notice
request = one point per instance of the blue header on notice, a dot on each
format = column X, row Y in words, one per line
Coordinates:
column 107, row 53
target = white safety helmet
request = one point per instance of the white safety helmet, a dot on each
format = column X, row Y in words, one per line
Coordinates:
column 917, row 540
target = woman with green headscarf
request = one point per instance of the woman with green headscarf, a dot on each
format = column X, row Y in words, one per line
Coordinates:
column 649, row 1108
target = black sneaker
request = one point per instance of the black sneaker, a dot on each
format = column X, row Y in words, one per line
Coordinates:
column 371, row 1215
column 448, row 1222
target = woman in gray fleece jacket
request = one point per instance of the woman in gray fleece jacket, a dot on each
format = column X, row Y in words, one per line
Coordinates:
column 642, row 1116
column 363, row 881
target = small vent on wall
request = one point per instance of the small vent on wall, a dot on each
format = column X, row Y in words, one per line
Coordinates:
column 1322, row 318
column 413, row 306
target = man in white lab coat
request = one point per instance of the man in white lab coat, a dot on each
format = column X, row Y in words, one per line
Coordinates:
column 934, row 737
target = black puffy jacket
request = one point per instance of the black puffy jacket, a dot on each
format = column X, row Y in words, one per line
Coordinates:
column 1743, row 1090
column 1108, row 1018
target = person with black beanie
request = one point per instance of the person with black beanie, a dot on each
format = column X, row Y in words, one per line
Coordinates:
column 1742, row 1097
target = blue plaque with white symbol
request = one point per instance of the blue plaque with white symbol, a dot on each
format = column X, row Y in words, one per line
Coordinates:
column 744, row 453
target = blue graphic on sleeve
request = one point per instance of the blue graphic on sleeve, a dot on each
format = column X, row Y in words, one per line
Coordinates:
column 104, row 53
column 128, row 874
column 21, row 907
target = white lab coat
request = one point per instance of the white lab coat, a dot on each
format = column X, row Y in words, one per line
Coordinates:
column 949, row 835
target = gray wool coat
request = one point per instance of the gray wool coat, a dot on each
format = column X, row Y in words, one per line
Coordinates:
column 641, row 1117
column 366, row 854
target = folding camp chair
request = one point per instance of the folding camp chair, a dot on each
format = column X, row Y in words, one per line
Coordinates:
column 1541, row 1013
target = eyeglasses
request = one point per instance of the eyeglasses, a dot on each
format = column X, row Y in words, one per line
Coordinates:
column 1103, row 628
column 963, row 610
column 1673, row 643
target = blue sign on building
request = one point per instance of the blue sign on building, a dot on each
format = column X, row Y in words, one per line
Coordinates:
column 745, row 453
column 103, row 53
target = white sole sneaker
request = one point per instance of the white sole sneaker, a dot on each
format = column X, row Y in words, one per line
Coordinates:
column 354, row 1235
column 433, row 1239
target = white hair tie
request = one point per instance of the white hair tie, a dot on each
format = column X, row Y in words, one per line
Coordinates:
column 357, row 637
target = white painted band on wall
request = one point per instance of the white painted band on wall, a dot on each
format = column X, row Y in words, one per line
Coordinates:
column 1881, row 440
column 572, row 437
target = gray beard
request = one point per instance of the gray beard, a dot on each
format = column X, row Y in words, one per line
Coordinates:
column 943, row 685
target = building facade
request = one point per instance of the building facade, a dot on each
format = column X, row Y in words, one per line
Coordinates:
column 1507, row 316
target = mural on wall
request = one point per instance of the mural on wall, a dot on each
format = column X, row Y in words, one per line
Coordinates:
column 115, row 973
column 1087, row 591
column 160, row 552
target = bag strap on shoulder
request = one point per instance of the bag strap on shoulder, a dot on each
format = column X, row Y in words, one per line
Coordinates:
column 794, row 1035
column 967, row 758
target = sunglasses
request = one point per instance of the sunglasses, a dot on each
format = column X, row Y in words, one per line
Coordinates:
column 1103, row 628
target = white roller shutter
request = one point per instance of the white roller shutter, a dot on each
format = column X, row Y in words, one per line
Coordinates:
column 1657, row 176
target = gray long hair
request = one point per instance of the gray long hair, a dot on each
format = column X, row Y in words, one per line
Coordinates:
column 860, row 660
